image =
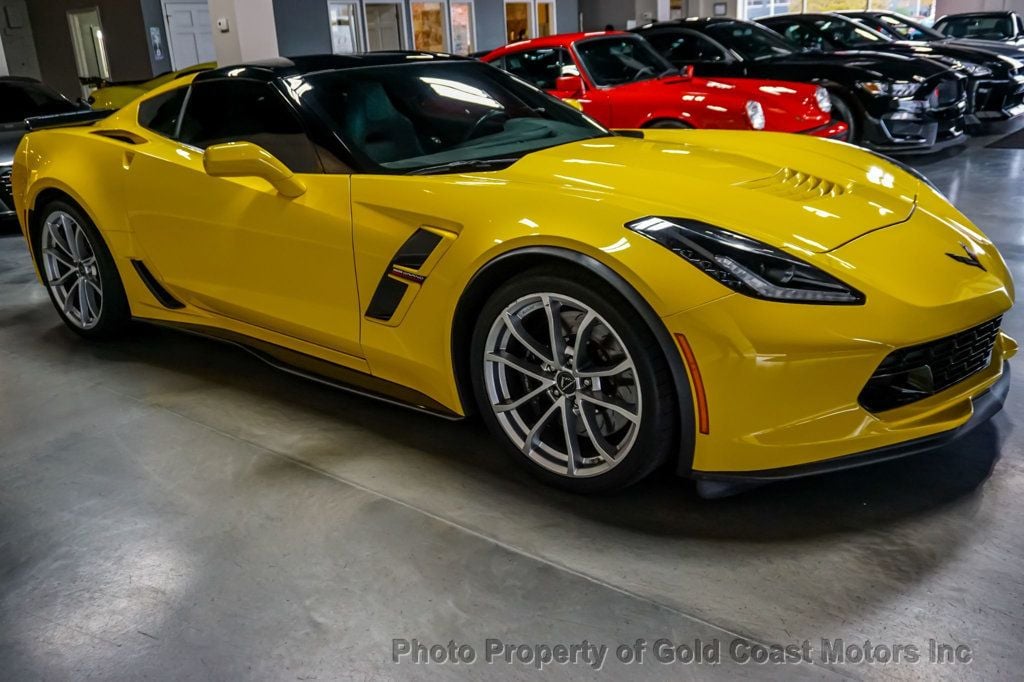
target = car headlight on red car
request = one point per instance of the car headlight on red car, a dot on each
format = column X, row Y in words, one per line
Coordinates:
column 746, row 265
column 824, row 101
column 755, row 114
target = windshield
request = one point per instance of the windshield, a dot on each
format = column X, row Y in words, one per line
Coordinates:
column 750, row 41
column 415, row 116
column 982, row 27
column 615, row 60
column 903, row 29
column 25, row 99
column 843, row 32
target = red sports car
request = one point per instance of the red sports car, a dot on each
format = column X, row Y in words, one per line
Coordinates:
column 620, row 80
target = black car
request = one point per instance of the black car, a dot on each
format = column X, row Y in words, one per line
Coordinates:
column 1006, row 27
column 899, row 27
column 891, row 102
column 22, row 98
column 995, row 84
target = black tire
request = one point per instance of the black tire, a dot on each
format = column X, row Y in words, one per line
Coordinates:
column 669, row 123
column 843, row 111
column 114, row 313
column 656, row 434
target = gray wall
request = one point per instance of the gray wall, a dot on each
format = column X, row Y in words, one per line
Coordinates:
column 599, row 13
column 302, row 24
column 123, row 32
column 956, row 6
column 302, row 27
column 153, row 18
column 19, row 45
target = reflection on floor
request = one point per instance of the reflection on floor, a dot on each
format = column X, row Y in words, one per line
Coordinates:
column 171, row 508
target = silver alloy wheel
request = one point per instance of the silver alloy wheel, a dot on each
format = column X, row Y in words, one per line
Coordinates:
column 71, row 270
column 562, row 385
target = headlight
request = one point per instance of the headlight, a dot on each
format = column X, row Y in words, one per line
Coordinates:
column 824, row 101
column 897, row 89
column 977, row 70
column 755, row 114
column 746, row 265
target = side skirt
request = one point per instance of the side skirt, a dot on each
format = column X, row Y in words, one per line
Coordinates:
column 320, row 371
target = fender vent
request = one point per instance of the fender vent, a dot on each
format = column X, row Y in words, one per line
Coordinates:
column 159, row 293
column 410, row 257
column 795, row 185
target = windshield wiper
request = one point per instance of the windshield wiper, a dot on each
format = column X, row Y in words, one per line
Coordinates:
column 465, row 164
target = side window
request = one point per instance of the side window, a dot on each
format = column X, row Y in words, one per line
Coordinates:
column 676, row 46
column 239, row 110
column 540, row 68
column 160, row 114
column 800, row 35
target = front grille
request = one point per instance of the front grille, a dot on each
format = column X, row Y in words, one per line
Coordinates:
column 911, row 374
column 6, row 197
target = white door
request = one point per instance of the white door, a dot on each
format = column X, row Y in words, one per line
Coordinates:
column 344, row 17
column 189, row 33
column 384, row 26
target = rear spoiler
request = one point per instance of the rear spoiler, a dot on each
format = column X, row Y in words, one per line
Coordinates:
column 74, row 118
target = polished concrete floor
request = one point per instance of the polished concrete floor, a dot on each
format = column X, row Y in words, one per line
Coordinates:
column 170, row 508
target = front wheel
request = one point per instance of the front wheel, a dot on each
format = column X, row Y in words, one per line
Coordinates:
column 842, row 111
column 79, row 272
column 568, row 375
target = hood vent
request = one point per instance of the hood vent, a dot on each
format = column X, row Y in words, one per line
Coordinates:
column 796, row 185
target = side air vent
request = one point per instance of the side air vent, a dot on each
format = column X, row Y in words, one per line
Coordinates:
column 411, row 256
column 796, row 185
column 159, row 293
column 125, row 136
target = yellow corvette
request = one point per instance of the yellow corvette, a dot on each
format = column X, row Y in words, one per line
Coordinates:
column 430, row 230
column 117, row 95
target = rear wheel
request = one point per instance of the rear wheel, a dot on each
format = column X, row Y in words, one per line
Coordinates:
column 79, row 272
column 566, row 373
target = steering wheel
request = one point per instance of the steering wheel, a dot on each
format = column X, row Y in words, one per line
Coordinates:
column 482, row 121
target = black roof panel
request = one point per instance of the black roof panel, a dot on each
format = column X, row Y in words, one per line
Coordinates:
column 286, row 67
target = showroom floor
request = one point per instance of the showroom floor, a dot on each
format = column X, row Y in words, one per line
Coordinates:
column 171, row 508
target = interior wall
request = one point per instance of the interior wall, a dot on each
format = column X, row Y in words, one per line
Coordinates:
column 19, row 46
column 123, row 34
column 153, row 23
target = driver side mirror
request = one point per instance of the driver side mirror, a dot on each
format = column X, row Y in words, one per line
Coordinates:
column 569, row 86
column 687, row 71
column 248, row 160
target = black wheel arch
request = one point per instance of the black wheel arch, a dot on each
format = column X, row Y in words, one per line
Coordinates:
column 508, row 265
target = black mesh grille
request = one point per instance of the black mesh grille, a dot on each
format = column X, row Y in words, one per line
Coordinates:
column 914, row 373
column 6, row 198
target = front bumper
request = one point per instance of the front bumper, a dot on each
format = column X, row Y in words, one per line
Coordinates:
column 834, row 130
column 983, row 407
column 919, row 126
column 996, row 102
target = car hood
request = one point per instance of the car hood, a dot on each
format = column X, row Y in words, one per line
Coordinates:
column 880, row 64
column 787, row 190
column 1004, row 49
column 975, row 55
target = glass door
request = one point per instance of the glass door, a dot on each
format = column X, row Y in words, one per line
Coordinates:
column 90, row 48
column 463, row 37
column 428, row 26
column 517, row 21
column 545, row 18
column 384, row 26
column 345, row 31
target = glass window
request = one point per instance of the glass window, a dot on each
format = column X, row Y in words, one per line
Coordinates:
column 345, row 34
column 799, row 34
column 160, row 114
column 844, row 33
column 545, row 18
column 517, row 21
column 462, row 27
column 617, row 60
column 750, row 41
column 237, row 110
column 975, row 26
column 428, row 26
column 538, row 67
column 905, row 29
column 685, row 46
column 432, row 117
column 23, row 99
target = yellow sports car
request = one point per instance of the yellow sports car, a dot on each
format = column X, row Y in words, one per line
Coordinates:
column 432, row 231
column 117, row 95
